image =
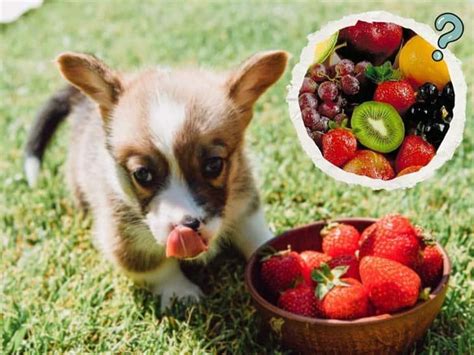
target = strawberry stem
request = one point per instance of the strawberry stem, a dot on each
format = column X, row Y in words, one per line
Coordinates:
column 381, row 73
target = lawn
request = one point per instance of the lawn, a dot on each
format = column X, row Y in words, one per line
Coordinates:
column 58, row 294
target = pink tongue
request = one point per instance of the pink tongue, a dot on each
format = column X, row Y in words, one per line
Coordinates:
column 183, row 242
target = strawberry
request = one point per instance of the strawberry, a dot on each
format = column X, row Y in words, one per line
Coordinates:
column 338, row 298
column 314, row 259
column 299, row 300
column 340, row 239
column 399, row 94
column 409, row 170
column 346, row 260
column 368, row 232
column 379, row 39
column 390, row 88
column 282, row 270
column 431, row 266
column 371, row 164
column 392, row 286
column 392, row 237
column 339, row 146
column 414, row 151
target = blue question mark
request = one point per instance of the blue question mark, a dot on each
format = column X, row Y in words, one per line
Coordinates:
column 451, row 36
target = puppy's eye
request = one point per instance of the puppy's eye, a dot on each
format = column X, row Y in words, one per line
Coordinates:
column 212, row 167
column 143, row 176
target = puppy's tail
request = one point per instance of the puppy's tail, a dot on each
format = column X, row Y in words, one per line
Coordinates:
column 47, row 120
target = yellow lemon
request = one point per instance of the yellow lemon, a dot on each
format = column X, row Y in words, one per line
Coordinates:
column 417, row 64
column 324, row 49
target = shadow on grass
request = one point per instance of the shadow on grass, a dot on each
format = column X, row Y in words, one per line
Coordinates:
column 225, row 319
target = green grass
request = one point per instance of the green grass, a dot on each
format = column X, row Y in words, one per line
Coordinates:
column 58, row 294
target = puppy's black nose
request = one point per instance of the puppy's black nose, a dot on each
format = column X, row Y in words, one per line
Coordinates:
column 191, row 222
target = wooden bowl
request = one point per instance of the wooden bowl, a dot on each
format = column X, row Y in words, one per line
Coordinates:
column 384, row 334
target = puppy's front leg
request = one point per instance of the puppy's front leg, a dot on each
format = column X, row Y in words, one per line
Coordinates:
column 168, row 281
column 252, row 232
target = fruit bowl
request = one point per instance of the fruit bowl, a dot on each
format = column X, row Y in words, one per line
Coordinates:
column 371, row 106
column 382, row 334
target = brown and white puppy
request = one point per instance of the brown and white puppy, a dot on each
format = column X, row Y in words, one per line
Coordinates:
column 158, row 158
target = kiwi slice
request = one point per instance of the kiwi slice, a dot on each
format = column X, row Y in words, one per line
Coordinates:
column 378, row 126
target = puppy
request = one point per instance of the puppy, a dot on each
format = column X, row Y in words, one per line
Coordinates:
column 158, row 158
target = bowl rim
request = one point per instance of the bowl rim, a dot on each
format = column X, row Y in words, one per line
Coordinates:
column 443, row 283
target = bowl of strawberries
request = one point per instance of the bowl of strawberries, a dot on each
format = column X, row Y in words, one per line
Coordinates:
column 370, row 104
column 356, row 285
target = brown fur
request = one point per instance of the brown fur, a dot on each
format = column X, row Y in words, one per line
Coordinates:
column 218, row 109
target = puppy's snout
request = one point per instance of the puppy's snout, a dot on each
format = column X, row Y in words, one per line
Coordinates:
column 191, row 222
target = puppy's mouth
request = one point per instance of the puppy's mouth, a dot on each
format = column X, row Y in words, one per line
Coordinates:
column 184, row 242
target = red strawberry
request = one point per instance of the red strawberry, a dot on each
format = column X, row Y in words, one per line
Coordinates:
column 339, row 146
column 299, row 300
column 431, row 266
column 409, row 170
column 371, row 164
column 346, row 260
column 340, row 239
column 282, row 270
column 338, row 298
column 392, row 237
column 414, row 151
column 391, row 285
column 314, row 259
column 368, row 232
column 399, row 94
column 380, row 39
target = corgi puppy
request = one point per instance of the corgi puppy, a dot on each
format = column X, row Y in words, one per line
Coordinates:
column 158, row 158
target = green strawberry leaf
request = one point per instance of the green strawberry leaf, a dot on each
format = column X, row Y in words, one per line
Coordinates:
column 381, row 73
column 322, row 274
column 327, row 279
column 269, row 251
column 322, row 290
column 425, row 294
column 332, row 125
column 328, row 227
column 426, row 236
column 338, row 271
column 343, row 124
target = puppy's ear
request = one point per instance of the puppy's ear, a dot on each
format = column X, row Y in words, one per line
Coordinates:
column 254, row 76
column 93, row 77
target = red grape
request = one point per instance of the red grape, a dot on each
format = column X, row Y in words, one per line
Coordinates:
column 360, row 67
column 316, row 136
column 328, row 91
column 309, row 85
column 329, row 109
column 317, row 72
column 350, row 85
column 340, row 117
column 308, row 100
column 331, row 71
column 310, row 117
column 359, row 70
column 341, row 101
column 322, row 125
column 344, row 67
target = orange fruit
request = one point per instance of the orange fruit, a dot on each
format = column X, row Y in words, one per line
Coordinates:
column 417, row 64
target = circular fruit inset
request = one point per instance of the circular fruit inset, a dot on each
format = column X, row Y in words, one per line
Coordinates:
column 371, row 106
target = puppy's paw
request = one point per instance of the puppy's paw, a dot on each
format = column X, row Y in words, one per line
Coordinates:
column 181, row 288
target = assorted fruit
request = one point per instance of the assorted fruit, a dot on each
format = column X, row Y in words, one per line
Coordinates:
column 389, row 267
column 373, row 88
